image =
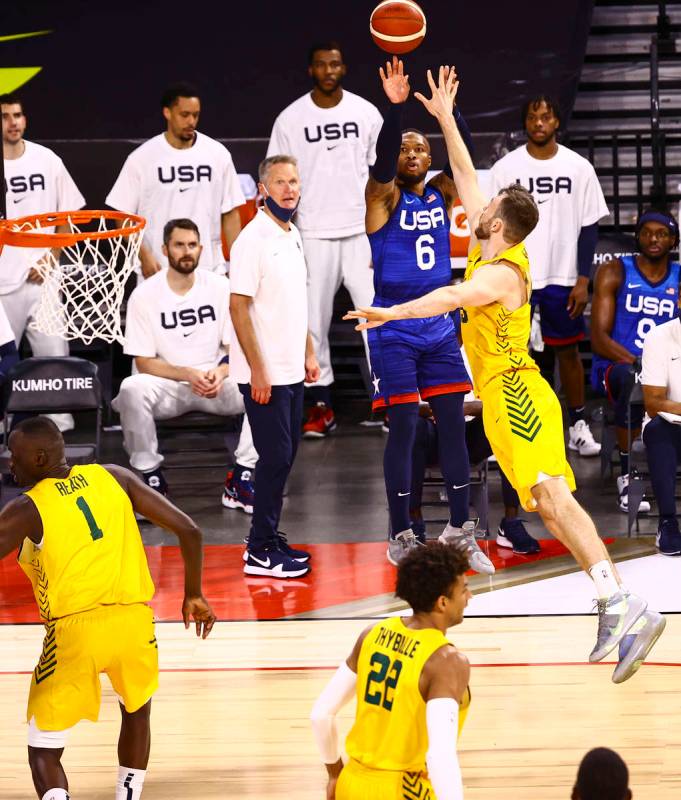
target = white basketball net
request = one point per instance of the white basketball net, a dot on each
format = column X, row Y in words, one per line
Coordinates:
column 83, row 283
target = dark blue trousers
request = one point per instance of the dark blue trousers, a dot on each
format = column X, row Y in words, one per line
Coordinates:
column 276, row 433
column 663, row 447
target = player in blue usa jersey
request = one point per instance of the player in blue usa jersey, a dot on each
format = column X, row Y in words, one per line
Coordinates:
column 631, row 296
column 408, row 222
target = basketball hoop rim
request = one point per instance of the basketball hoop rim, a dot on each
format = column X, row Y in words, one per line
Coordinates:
column 33, row 238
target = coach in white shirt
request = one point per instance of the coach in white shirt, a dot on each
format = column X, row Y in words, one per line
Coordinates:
column 561, row 247
column 178, row 330
column 271, row 355
column 37, row 183
column 332, row 133
column 661, row 379
column 181, row 174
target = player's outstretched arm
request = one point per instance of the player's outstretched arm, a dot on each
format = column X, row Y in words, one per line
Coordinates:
column 382, row 195
column 157, row 509
column 489, row 284
column 441, row 105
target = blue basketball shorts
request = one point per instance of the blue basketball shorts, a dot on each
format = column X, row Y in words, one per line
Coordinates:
column 412, row 359
column 557, row 329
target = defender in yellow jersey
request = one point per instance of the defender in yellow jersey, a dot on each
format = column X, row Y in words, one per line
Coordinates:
column 80, row 547
column 521, row 414
column 411, row 686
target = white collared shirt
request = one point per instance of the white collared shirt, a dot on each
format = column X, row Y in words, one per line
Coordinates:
column 662, row 359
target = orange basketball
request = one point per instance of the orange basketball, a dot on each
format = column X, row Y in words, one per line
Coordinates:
column 398, row 26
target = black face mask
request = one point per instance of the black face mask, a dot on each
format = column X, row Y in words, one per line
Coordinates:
column 281, row 213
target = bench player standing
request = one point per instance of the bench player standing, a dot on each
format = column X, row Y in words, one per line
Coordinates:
column 521, row 414
column 181, row 174
column 332, row 134
column 37, row 182
column 408, row 221
column 561, row 247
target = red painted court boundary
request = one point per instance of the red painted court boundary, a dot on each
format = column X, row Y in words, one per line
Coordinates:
column 341, row 573
column 321, row 668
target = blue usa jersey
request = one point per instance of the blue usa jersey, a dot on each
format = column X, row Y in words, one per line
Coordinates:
column 411, row 251
column 640, row 306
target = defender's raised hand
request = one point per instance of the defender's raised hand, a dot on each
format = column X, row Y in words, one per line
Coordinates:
column 395, row 82
column 443, row 98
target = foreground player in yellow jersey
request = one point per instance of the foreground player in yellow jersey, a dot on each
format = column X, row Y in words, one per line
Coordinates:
column 82, row 551
column 412, row 691
column 521, row 414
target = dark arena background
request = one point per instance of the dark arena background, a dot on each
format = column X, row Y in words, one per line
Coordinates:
column 231, row 716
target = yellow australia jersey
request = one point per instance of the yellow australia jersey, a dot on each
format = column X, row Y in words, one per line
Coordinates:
column 91, row 554
column 390, row 725
column 496, row 339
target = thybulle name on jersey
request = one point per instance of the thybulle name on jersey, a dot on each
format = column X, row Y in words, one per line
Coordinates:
column 397, row 642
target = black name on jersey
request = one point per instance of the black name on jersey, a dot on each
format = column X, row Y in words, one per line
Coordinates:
column 423, row 220
column 187, row 173
column 188, row 317
column 332, row 132
column 397, row 642
column 73, row 484
column 548, row 185
column 25, row 183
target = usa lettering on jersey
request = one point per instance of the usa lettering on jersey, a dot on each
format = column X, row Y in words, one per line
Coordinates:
column 652, row 306
column 332, row 132
column 25, row 183
column 547, row 184
column 423, row 220
column 187, row 173
column 188, row 317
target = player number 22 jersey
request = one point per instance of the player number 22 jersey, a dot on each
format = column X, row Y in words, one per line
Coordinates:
column 91, row 553
column 390, row 727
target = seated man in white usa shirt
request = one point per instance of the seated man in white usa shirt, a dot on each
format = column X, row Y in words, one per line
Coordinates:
column 178, row 330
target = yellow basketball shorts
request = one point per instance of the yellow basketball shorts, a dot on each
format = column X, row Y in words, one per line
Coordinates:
column 524, row 425
column 118, row 640
column 361, row 783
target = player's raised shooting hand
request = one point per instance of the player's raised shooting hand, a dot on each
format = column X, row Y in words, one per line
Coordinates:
column 199, row 610
column 395, row 82
column 443, row 96
column 375, row 317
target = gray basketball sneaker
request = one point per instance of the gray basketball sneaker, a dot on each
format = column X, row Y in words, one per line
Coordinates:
column 616, row 615
column 464, row 539
column 400, row 544
column 637, row 644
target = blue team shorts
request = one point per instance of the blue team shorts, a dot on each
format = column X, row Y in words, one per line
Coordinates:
column 557, row 329
column 412, row 359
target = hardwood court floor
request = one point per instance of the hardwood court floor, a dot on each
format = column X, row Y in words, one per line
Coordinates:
column 230, row 719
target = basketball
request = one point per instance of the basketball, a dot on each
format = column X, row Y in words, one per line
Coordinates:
column 398, row 26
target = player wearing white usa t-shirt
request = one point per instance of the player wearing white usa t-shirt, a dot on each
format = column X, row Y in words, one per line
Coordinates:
column 181, row 174
column 332, row 133
column 178, row 330
column 37, row 182
column 561, row 247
